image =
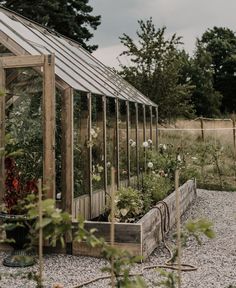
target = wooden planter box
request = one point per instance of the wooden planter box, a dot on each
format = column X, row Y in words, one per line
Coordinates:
column 143, row 237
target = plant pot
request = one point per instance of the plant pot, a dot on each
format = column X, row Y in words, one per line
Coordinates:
column 17, row 230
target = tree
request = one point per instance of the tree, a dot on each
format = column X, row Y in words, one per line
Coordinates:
column 221, row 44
column 207, row 101
column 71, row 18
column 155, row 69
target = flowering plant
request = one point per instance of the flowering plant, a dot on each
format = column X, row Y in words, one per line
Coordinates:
column 15, row 189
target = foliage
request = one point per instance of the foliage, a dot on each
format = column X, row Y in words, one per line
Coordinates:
column 122, row 262
column 168, row 279
column 196, row 228
column 15, row 189
column 71, row 18
column 157, row 187
column 220, row 43
column 155, row 69
column 129, row 204
column 24, row 123
column 206, row 100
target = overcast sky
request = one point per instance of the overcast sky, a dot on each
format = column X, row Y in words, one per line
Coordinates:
column 187, row 18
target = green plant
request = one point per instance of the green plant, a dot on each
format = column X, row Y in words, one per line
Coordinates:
column 129, row 204
column 123, row 261
column 155, row 188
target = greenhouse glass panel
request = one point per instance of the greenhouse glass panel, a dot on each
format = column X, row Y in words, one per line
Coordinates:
column 24, row 138
column 97, row 137
column 81, row 155
column 111, row 136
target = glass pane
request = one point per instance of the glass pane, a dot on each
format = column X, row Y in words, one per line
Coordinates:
column 97, row 143
column 111, row 137
column 24, row 122
column 132, row 141
column 141, row 137
column 123, row 143
column 81, row 160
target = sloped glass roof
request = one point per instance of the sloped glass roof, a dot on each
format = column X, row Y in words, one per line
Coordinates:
column 73, row 64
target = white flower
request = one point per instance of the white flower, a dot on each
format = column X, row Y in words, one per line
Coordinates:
column 58, row 197
column 179, row 158
column 92, row 132
column 108, row 164
column 194, row 158
column 150, row 165
column 131, row 141
column 149, row 141
column 164, row 147
column 133, row 144
column 145, row 144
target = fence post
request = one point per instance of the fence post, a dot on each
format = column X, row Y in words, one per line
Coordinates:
column 202, row 128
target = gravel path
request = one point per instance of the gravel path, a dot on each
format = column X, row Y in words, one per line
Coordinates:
column 216, row 259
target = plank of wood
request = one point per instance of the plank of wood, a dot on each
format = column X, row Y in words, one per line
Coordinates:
column 67, row 150
column 2, row 129
column 22, row 61
column 124, row 232
column 82, row 249
column 49, row 174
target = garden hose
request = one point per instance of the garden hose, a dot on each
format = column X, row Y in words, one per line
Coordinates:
column 165, row 228
column 169, row 264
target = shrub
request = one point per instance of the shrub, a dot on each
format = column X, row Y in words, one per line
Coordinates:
column 129, row 204
column 156, row 187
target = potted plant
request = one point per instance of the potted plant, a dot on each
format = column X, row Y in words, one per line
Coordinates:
column 17, row 225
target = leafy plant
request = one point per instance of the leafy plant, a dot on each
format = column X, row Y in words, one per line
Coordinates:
column 129, row 204
column 122, row 262
column 155, row 188
column 15, row 189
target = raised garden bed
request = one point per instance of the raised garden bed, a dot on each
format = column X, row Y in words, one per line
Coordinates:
column 143, row 237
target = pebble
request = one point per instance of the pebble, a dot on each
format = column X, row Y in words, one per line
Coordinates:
column 215, row 259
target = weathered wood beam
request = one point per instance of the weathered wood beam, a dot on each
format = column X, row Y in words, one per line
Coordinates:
column 67, row 150
column 104, row 99
column 22, row 61
column 127, row 139
column 117, row 143
column 49, row 174
column 137, row 141
column 90, row 153
column 2, row 130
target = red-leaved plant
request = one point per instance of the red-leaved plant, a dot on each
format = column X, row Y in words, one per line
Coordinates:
column 15, row 190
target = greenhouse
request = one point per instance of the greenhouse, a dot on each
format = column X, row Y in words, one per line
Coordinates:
column 73, row 117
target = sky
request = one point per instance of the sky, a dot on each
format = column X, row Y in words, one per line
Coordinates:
column 187, row 18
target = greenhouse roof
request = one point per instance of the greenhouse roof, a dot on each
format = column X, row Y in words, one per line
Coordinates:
column 73, row 64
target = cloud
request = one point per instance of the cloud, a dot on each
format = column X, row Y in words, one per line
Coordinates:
column 187, row 18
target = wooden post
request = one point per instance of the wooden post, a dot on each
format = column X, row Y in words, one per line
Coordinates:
column 40, row 233
column 112, row 231
column 67, row 150
column 202, row 128
column 234, row 134
column 117, row 144
column 104, row 99
column 178, row 226
column 2, row 131
column 137, row 142
column 144, row 137
column 157, row 131
column 150, row 107
column 49, row 174
column 127, row 139
column 90, row 164
column 234, row 141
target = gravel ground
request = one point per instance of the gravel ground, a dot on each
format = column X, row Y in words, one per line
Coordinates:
column 215, row 259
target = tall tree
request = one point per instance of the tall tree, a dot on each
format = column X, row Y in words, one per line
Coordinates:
column 207, row 101
column 155, row 69
column 71, row 18
column 221, row 44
